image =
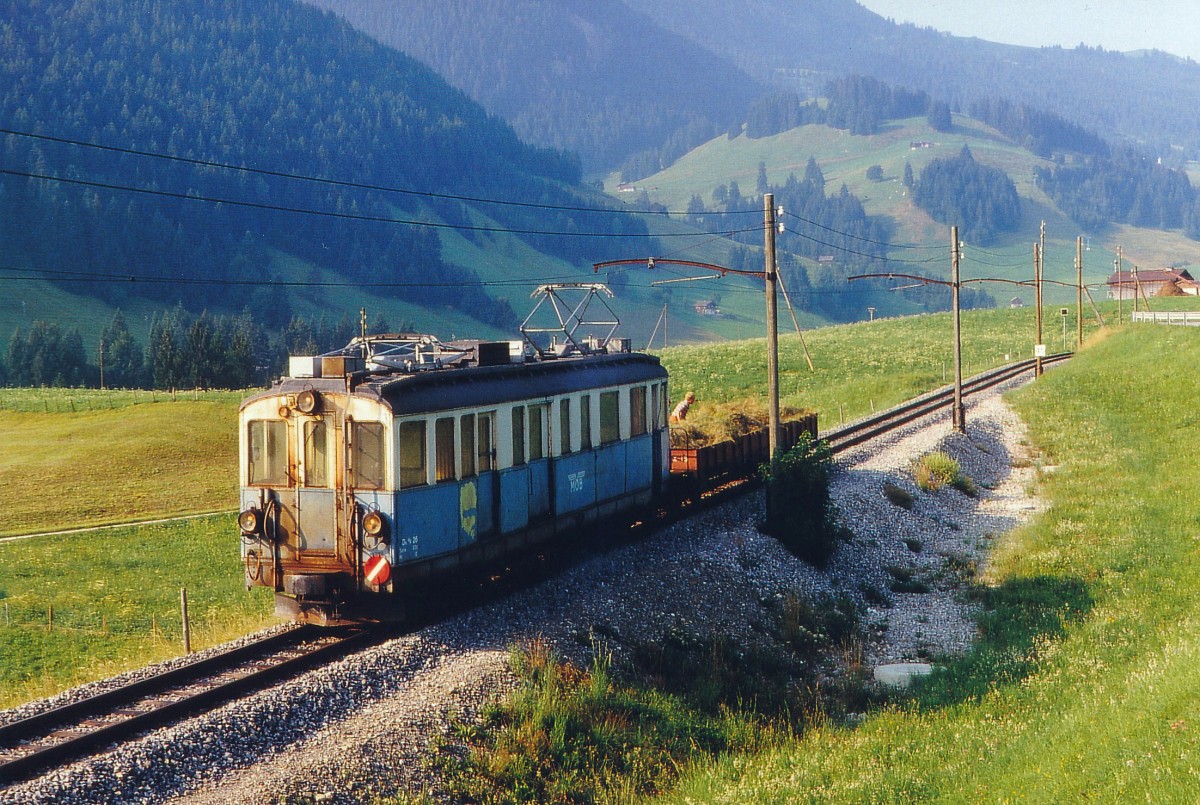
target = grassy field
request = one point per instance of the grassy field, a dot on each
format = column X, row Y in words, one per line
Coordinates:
column 76, row 457
column 1085, row 685
column 864, row 367
column 78, row 607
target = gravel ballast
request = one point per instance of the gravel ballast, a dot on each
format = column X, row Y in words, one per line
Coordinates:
column 363, row 726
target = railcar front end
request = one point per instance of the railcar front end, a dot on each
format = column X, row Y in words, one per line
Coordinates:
column 358, row 477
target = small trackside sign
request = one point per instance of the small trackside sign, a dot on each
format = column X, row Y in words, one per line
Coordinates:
column 377, row 570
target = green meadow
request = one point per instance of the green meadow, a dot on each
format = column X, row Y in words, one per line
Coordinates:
column 84, row 606
column 1084, row 685
column 75, row 457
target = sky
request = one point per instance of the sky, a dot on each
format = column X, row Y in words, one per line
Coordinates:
column 1169, row 25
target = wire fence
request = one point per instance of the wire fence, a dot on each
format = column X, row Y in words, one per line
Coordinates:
column 166, row 625
column 53, row 400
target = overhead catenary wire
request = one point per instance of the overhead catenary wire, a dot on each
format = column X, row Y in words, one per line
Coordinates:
column 357, row 216
column 204, row 163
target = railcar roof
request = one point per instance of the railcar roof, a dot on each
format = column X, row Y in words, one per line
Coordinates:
column 477, row 386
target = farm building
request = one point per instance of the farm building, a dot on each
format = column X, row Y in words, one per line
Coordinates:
column 1151, row 282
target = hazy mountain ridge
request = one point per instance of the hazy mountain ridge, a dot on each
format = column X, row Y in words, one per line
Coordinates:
column 593, row 76
column 801, row 43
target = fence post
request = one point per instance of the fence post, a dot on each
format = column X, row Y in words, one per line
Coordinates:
column 187, row 629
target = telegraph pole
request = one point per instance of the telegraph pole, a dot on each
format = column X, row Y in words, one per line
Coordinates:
column 772, row 326
column 958, row 413
column 1038, row 348
column 1079, row 293
column 1120, row 285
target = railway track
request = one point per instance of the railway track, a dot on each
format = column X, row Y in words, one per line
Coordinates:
column 72, row 731
column 864, row 430
column 60, row 736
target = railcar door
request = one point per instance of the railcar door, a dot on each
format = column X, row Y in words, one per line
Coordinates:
column 316, row 498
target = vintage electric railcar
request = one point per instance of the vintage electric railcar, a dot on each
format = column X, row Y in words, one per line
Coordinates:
column 401, row 458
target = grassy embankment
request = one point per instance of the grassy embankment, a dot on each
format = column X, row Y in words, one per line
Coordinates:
column 1085, row 684
column 858, row 368
column 75, row 458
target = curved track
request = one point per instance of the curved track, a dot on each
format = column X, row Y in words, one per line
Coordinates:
column 64, row 734
column 854, row 434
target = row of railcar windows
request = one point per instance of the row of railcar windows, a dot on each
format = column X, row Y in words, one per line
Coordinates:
column 464, row 445
column 477, row 448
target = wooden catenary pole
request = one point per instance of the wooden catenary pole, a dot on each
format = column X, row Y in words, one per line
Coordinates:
column 772, row 326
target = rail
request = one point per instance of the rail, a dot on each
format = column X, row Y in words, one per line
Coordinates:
column 71, row 731
column 858, row 432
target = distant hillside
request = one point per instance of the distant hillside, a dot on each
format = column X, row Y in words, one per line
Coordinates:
column 873, row 169
column 272, row 85
column 802, row 43
column 592, row 76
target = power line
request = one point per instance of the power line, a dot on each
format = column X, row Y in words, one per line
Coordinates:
column 858, row 237
column 359, row 217
column 341, row 182
column 98, row 276
column 861, row 254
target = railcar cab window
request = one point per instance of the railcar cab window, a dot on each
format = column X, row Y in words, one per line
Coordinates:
column 518, row 435
column 267, row 440
column 486, row 429
column 443, row 439
column 466, row 446
column 610, row 417
column 637, row 410
column 537, row 432
column 367, row 456
column 585, row 422
column 564, row 426
column 412, row 453
column 316, row 453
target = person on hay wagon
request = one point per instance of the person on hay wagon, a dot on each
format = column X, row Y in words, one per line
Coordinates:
column 681, row 411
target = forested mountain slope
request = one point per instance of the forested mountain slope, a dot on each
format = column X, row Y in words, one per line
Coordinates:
column 592, row 76
column 273, row 85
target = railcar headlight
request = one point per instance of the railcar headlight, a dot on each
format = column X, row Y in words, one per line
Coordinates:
column 373, row 523
column 307, row 401
column 250, row 521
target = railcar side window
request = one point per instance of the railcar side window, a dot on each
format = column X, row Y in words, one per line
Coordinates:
column 637, row 410
column 316, row 453
column 655, row 423
column 268, row 452
column 585, row 422
column 564, row 426
column 443, row 442
column 518, row 435
column 412, row 453
column 537, row 432
column 366, row 459
column 466, row 451
column 485, row 441
column 610, row 418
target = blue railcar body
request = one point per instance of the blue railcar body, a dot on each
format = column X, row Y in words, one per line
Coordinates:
column 355, row 482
